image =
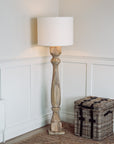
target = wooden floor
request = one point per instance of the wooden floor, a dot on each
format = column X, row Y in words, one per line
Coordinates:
column 41, row 136
column 27, row 135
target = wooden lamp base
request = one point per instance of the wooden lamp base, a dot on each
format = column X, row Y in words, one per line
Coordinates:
column 56, row 133
column 56, row 125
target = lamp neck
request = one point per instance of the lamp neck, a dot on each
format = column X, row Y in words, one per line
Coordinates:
column 55, row 51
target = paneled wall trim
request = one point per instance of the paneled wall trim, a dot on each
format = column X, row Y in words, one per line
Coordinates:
column 25, row 90
column 85, row 76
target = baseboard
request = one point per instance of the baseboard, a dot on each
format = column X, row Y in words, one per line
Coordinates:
column 21, row 129
column 32, row 125
column 1, row 137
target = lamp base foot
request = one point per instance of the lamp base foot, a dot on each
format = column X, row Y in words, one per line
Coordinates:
column 56, row 133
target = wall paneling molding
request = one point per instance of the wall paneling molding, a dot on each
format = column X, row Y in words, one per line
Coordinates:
column 85, row 76
column 25, row 90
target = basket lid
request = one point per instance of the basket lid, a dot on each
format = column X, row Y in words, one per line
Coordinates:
column 92, row 102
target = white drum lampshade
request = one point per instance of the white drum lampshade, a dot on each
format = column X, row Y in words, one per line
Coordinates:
column 55, row 31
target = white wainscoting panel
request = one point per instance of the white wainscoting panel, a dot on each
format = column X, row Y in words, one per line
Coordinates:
column 85, row 76
column 26, row 87
column 17, row 96
column 103, row 81
column 2, row 120
column 73, row 87
column 40, row 90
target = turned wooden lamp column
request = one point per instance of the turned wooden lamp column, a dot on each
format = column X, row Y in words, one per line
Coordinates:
column 55, row 32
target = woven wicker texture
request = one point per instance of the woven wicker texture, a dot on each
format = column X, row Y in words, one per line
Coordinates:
column 94, row 117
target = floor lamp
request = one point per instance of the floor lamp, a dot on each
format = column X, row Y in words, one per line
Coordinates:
column 55, row 32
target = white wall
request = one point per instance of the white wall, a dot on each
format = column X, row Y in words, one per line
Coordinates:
column 18, row 26
column 94, row 32
column 93, row 26
column 85, row 77
column 88, row 65
column 24, row 85
column 25, row 89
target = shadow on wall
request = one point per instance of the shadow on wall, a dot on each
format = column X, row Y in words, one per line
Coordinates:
column 33, row 50
column 33, row 26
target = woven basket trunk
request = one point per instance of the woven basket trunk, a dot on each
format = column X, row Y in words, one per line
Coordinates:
column 94, row 122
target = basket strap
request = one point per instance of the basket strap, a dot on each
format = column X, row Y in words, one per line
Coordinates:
column 92, row 106
column 91, row 98
column 91, row 115
column 92, row 122
column 108, row 112
column 81, row 118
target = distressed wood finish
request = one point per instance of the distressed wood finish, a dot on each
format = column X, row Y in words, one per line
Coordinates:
column 56, row 125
